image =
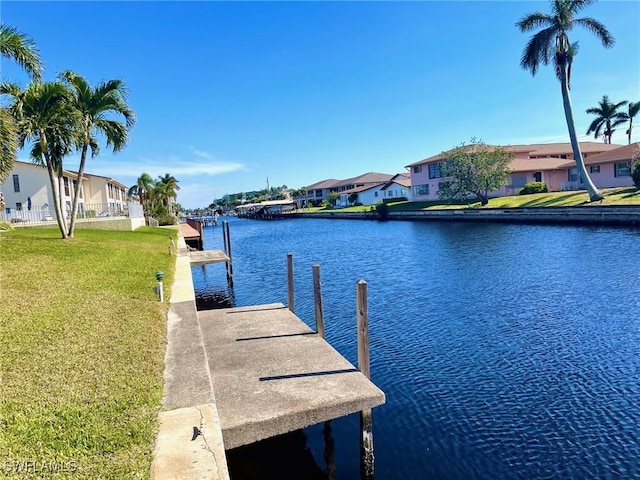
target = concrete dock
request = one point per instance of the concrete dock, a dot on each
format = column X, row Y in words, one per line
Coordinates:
column 239, row 375
column 272, row 374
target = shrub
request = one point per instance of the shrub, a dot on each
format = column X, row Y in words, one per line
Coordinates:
column 326, row 204
column 167, row 220
column 635, row 174
column 382, row 209
column 534, row 187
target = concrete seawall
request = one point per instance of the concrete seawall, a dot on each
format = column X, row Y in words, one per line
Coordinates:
column 624, row 215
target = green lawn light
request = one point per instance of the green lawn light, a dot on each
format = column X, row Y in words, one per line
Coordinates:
column 159, row 289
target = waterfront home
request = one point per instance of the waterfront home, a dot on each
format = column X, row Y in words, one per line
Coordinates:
column 28, row 195
column 552, row 164
column 320, row 191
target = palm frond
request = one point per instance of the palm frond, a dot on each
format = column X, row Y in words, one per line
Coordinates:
column 21, row 49
column 598, row 29
column 534, row 20
column 538, row 50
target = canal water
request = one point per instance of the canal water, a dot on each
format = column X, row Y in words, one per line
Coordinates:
column 504, row 351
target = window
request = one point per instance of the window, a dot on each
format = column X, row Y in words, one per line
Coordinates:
column 375, row 194
column 420, row 190
column 518, row 180
column 417, row 169
column 434, row 171
column 66, row 186
column 16, row 183
column 18, row 206
column 594, row 169
column 572, row 175
column 622, row 169
column 537, row 176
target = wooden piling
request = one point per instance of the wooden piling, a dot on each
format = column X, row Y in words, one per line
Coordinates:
column 226, row 238
column 317, row 297
column 366, row 426
column 290, row 301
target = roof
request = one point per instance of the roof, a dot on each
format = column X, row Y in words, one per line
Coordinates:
column 624, row 153
column 538, row 149
column 403, row 182
column 369, row 177
column 361, row 188
column 551, row 149
column 328, row 183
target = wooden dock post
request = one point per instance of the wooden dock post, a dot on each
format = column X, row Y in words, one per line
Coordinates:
column 317, row 297
column 366, row 426
column 290, row 301
column 226, row 240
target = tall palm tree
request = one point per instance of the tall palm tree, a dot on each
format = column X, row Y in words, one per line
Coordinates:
column 166, row 189
column 608, row 117
column 144, row 185
column 21, row 49
column 46, row 119
column 552, row 43
column 94, row 106
column 632, row 112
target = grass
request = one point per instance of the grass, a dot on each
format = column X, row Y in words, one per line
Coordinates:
column 613, row 196
column 82, row 342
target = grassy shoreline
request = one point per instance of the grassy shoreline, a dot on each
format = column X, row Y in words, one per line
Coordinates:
column 613, row 196
column 82, row 343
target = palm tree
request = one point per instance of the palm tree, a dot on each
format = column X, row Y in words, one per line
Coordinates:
column 166, row 190
column 93, row 106
column 552, row 43
column 144, row 185
column 607, row 117
column 21, row 49
column 634, row 108
column 45, row 118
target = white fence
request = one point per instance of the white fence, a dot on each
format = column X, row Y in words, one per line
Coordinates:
column 46, row 214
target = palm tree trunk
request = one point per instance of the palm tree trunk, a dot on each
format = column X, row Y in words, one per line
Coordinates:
column 630, row 126
column 74, row 208
column 594, row 194
column 56, row 200
column 54, row 184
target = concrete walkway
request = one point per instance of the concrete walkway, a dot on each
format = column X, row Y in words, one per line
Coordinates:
column 189, row 445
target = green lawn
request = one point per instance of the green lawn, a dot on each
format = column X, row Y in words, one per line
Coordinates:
column 82, row 342
column 613, row 196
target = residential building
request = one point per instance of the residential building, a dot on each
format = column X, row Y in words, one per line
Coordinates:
column 549, row 163
column 320, row 191
column 27, row 194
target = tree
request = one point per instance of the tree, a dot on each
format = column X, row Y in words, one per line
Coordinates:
column 165, row 190
column 353, row 197
column 21, row 49
column 144, row 184
column 635, row 169
column 45, row 118
column 552, row 43
column 608, row 117
column 94, row 105
column 632, row 112
column 474, row 169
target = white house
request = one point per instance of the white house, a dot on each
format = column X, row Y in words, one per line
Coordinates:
column 27, row 194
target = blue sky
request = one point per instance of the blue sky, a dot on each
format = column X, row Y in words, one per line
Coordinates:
column 228, row 94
